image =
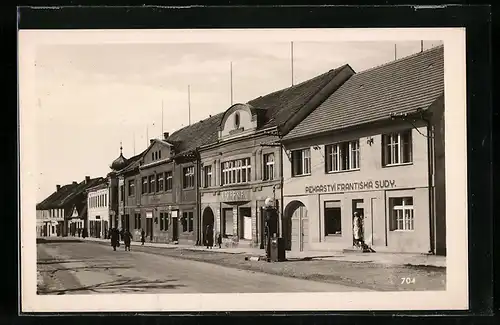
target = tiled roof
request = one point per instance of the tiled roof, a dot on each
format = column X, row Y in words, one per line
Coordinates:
column 283, row 104
column 63, row 191
column 195, row 135
column 132, row 163
column 401, row 86
column 70, row 195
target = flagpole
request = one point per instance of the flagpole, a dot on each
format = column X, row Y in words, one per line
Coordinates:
column 161, row 119
column 291, row 61
column 189, row 104
column 231, row 80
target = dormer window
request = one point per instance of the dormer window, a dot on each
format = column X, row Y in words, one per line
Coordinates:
column 237, row 120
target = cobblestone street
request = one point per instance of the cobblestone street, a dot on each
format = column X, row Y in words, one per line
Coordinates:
column 90, row 267
column 81, row 267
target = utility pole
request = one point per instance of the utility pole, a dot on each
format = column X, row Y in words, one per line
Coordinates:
column 291, row 59
column 189, row 104
column 231, row 80
column 161, row 119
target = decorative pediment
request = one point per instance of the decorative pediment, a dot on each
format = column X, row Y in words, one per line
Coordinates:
column 239, row 120
column 158, row 150
column 74, row 214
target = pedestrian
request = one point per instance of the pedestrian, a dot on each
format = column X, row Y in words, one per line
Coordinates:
column 357, row 224
column 115, row 240
column 219, row 239
column 127, row 238
column 143, row 237
column 209, row 236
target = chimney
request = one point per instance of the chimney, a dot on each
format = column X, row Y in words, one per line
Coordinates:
column 87, row 179
column 58, row 187
column 151, row 141
column 74, row 183
column 165, row 135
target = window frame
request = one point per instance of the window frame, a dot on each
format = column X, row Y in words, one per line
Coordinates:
column 151, row 183
column 131, row 187
column 169, row 175
column 336, row 157
column 207, row 176
column 302, row 150
column 236, row 171
column 269, row 167
column 396, row 217
column 145, row 185
column 390, row 147
column 188, row 177
column 160, row 185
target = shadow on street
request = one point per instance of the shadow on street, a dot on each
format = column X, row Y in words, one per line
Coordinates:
column 66, row 240
column 125, row 285
column 90, row 268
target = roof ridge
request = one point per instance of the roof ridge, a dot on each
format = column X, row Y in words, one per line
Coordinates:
column 435, row 48
column 301, row 83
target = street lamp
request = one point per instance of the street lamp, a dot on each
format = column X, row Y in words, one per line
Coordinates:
column 271, row 224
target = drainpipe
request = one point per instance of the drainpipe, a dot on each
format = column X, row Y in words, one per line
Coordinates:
column 430, row 164
column 198, row 198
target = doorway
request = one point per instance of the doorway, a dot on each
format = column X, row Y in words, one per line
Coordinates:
column 298, row 233
column 208, row 220
column 245, row 223
column 357, row 208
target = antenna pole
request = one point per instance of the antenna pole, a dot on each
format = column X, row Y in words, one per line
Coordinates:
column 161, row 118
column 395, row 52
column 421, row 46
column 133, row 134
column 189, row 104
column 291, row 56
column 231, row 80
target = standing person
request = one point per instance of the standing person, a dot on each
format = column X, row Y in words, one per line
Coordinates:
column 219, row 239
column 127, row 238
column 357, row 225
column 114, row 238
column 209, row 236
column 143, row 237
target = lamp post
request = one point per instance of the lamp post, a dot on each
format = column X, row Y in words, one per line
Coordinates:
column 271, row 224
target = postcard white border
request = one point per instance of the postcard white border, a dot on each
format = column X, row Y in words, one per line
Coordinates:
column 454, row 298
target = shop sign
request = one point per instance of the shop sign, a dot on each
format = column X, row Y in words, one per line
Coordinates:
column 234, row 196
column 352, row 186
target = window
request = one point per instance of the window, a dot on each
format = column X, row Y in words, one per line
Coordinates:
column 187, row 221
column 236, row 171
column 153, row 156
column 105, row 199
column 122, row 193
column 144, row 185
column 269, row 167
column 402, row 214
column 301, row 162
column 188, row 177
column 333, row 218
column 161, row 220
column 236, row 120
column 397, row 148
column 151, row 183
column 227, row 223
column 137, row 221
column 207, row 176
column 159, row 154
column 342, row 156
column 168, row 179
column 131, row 187
column 159, row 182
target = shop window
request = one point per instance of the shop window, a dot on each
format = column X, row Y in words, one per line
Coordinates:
column 333, row 218
column 207, row 176
column 131, row 187
column 159, row 182
column 144, row 185
column 236, row 171
column 402, row 214
column 227, row 223
column 268, row 167
column 301, row 162
column 168, row 181
column 188, row 181
column 245, row 223
column 342, row 156
column 397, row 148
column 151, row 183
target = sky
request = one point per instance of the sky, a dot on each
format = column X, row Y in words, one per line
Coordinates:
column 91, row 97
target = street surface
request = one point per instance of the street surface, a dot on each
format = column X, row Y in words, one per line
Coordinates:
column 75, row 267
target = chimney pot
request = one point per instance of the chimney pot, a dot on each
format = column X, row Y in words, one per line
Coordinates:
column 87, row 178
column 58, row 187
column 74, row 183
column 165, row 135
column 151, row 141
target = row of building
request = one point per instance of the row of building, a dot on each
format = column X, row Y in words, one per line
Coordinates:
column 371, row 142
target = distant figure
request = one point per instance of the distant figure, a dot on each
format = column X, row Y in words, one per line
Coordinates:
column 143, row 237
column 115, row 240
column 219, row 239
column 127, row 238
column 121, row 233
column 79, row 232
column 209, row 236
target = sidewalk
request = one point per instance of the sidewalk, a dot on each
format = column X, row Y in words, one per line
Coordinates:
column 394, row 259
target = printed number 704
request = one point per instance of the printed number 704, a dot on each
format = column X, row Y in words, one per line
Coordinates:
column 407, row 280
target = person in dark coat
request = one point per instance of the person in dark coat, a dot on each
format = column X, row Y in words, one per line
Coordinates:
column 143, row 237
column 219, row 239
column 115, row 240
column 209, row 236
column 127, row 238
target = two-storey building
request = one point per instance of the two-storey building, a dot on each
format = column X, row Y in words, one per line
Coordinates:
column 97, row 207
column 376, row 147
column 241, row 166
column 50, row 219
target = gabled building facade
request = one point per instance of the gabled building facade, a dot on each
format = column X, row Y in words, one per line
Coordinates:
column 241, row 167
column 375, row 147
column 50, row 218
column 97, row 207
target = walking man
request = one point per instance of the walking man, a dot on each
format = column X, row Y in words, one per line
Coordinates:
column 114, row 238
column 143, row 237
column 127, row 238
